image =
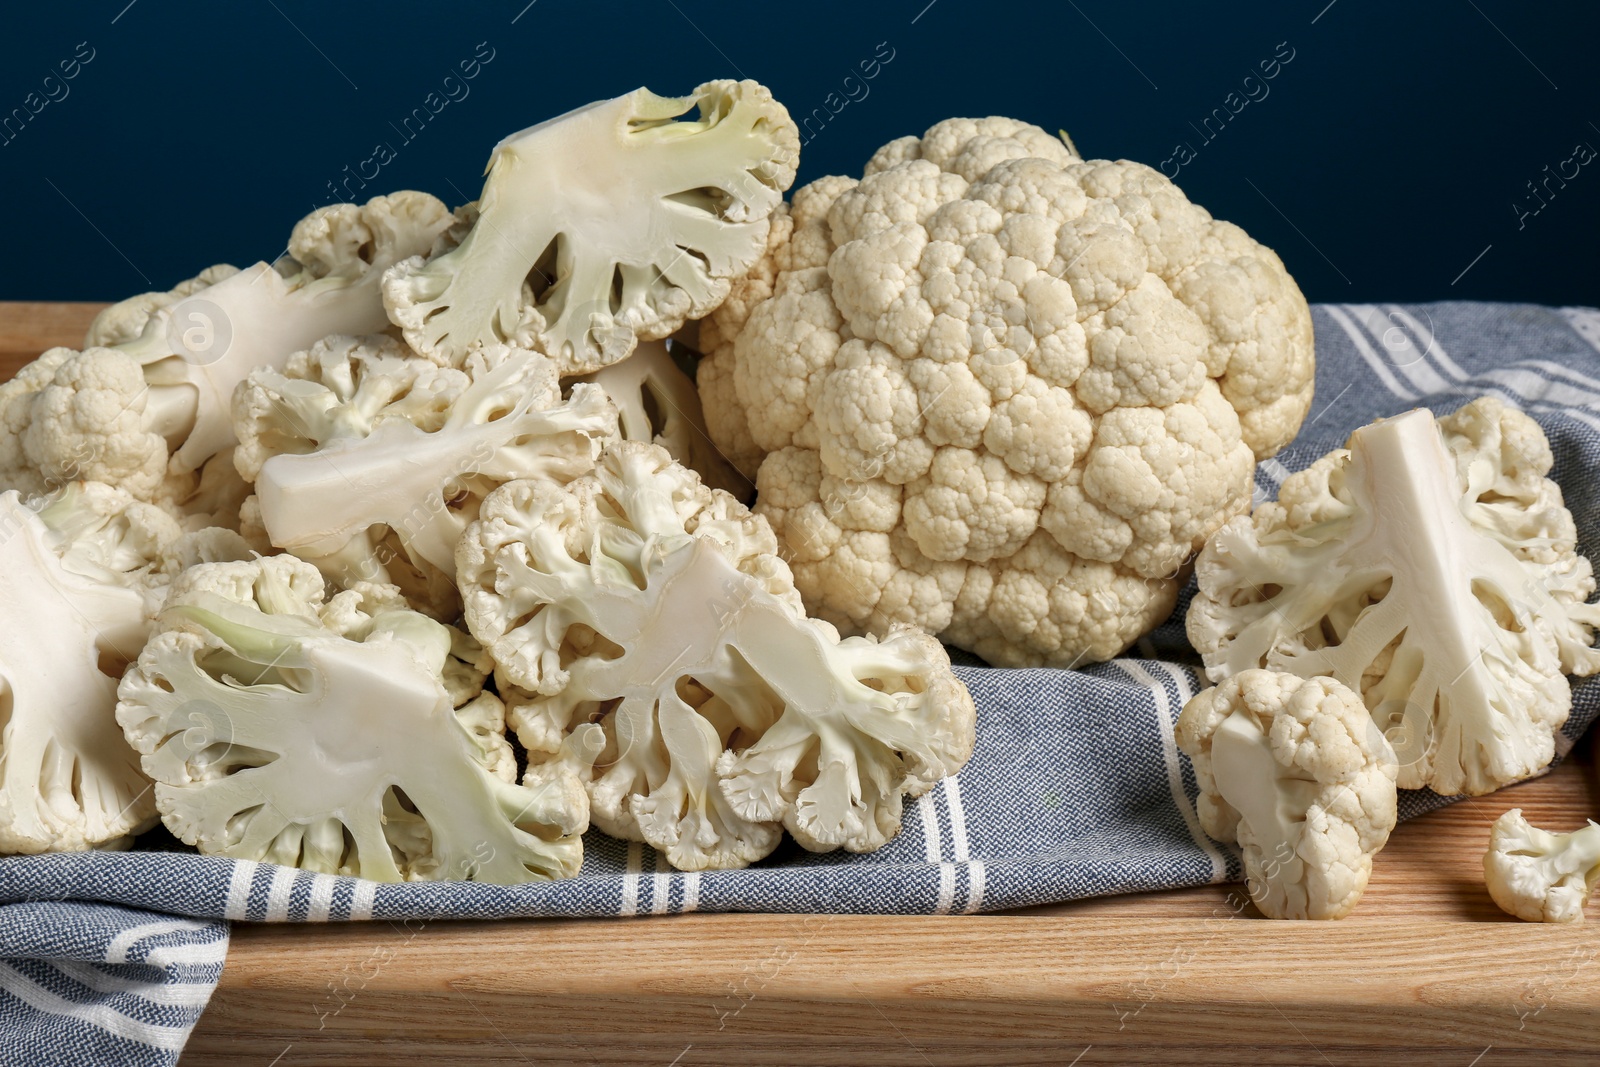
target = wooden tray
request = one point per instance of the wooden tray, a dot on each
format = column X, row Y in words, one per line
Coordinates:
column 1428, row 971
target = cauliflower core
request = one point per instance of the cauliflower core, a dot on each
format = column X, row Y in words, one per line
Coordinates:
column 1540, row 876
column 613, row 223
column 1430, row 567
column 77, row 580
column 1294, row 772
column 347, row 736
column 1004, row 393
column 644, row 601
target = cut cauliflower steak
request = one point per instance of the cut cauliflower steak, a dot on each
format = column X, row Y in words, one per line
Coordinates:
column 1539, row 876
column 346, row 736
column 1432, row 568
column 79, row 578
column 641, row 599
column 359, row 446
column 1004, row 393
column 1294, row 772
column 610, row 224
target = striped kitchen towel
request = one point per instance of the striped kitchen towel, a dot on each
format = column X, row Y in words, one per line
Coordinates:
column 1075, row 789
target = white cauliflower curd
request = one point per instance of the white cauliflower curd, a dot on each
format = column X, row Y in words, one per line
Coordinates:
column 1003, row 393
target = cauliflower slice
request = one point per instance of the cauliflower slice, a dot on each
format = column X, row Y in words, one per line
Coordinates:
column 610, row 224
column 657, row 404
column 150, row 412
column 359, row 443
column 1293, row 771
column 642, row 599
column 1432, row 568
column 1540, row 876
column 79, row 579
column 344, row 735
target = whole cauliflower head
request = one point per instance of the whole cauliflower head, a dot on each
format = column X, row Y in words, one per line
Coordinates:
column 1293, row 771
column 1005, row 393
column 1431, row 566
column 643, row 601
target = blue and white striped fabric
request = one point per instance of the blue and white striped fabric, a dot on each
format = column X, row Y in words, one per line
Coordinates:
column 1076, row 787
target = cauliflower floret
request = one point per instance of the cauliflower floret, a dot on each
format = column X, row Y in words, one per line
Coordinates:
column 640, row 599
column 369, row 460
column 17, row 471
column 1294, row 772
column 1540, row 876
column 1017, row 343
column 611, row 224
column 1432, row 568
column 99, row 419
column 255, row 687
column 351, row 240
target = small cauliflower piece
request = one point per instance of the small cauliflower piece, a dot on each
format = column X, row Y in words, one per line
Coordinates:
column 1293, row 771
column 1054, row 374
column 614, row 223
column 81, row 572
column 345, row 735
column 359, row 446
column 657, row 404
column 640, row 599
column 1539, row 876
column 1431, row 567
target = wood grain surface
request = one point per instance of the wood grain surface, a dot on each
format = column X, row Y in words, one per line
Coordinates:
column 1427, row 971
column 28, row 329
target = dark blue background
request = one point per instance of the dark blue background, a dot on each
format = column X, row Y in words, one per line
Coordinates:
column 1388, row 154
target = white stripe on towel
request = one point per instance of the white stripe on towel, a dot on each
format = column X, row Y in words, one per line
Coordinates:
column 1169, row 750
column 1379, row 365
column 630, row 880
column 962, row 849
column 112, row 1022
column 244, row 875
column 117, row 950
column 935, row 853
